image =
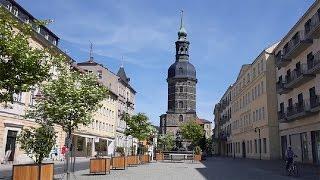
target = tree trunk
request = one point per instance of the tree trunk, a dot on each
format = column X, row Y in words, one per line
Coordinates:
column 69, row 143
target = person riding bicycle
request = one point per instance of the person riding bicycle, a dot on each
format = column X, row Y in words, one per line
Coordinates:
column 289, row 155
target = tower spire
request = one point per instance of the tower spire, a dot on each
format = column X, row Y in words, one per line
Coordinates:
column 182, row 33
column 181, row 20
column 90, row 53
column 121, row 61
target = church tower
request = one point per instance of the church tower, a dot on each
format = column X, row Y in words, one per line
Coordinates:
column 181, row 87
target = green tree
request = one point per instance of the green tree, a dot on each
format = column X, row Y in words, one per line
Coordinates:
column 37, row 142
column 69, row 101
column 165, row 142
column 21, row 66
column 192, row 131
column 138, row 126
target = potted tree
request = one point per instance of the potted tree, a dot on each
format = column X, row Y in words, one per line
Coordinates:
column 197, row 153
column 119, row 161
column 37, row 143
column 69, row 101
column 132, row 159
column 99, row 164
column 138, row 126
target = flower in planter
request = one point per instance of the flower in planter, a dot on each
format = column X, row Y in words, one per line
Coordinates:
column 197, row 150
column 37, row 142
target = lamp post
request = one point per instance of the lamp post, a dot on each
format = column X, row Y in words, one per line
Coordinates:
column 259, row 140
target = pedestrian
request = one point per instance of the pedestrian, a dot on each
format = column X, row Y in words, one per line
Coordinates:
column 289, row 156
column 64, row 150
column 55, row 152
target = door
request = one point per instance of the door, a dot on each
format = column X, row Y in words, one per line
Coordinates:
column 315, row 138
column 313, row 97
column 11, row 143
column 310, row 58
column 89, row 147
column 295, row 142
column 304, row 147
column 243, row 149
column 300, row 102
column 283, row 146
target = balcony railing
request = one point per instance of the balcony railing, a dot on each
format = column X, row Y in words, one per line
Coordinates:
column 298, row 77
column 281, row 61
column 313, row 30
column 281, row 116
column 281, row 89
column 314, row 103
column 296, row 45
column 297, row 111
column 314, row 64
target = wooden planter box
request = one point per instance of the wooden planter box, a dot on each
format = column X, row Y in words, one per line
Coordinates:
column 159, row 157
column 33, row 172
column 132, row 160
column 197, row 157
column 144, row 159
column 100, row 165
column 118, row 162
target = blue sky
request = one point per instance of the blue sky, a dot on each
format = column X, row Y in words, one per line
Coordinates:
column 223, row 35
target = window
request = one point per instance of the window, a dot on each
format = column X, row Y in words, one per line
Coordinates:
column 263, row 114
column 32, row 96
column 254, row 116
column 80, row 143
column 262, row 87
column 255, row 146
column 180, row 104
column 180, row 89
column 260, row 114
column 17, row 97
column 100, row 74
column 264, row 145
column 180, row 118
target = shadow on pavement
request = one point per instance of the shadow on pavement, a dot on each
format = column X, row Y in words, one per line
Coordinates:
column 228, row 168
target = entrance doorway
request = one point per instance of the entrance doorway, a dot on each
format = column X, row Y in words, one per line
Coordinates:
column 283, row 146
column 243, row 149
column 315, row 138
column 11, row 143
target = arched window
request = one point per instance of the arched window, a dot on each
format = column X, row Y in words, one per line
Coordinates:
column 180, row 104
column 180, row 89
column 181, row 49
column 180, row 118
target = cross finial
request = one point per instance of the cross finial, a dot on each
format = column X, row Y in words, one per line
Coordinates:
column 91, row 50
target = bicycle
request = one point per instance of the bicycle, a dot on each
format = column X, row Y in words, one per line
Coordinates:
column 293, row 169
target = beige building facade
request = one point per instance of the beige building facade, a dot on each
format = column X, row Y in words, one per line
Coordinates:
column 126, row 104
column 298, row 87
column 222, row 130
column 99, row 136
column 248, row 125
column 11, row 117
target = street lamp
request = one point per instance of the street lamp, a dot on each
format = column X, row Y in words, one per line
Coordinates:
column 259, row 141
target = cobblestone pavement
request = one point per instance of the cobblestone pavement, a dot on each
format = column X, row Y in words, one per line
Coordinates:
column 213, row 169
